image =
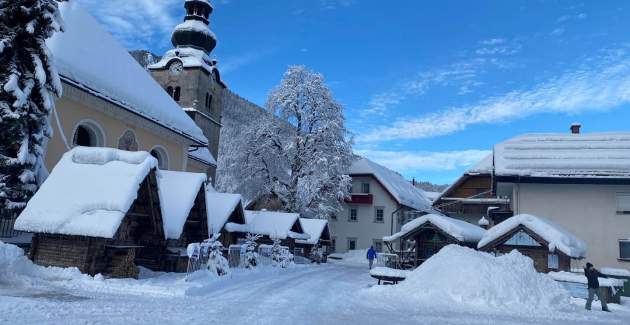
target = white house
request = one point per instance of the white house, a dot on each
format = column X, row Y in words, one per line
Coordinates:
column 579, row 181
column 381, row 201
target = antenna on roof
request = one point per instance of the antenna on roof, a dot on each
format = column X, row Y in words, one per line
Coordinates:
column 575, row 128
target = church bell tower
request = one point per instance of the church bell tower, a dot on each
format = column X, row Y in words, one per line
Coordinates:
column 192, row 79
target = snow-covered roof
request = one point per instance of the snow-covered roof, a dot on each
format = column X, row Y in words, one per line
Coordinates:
column 592, row 155
column 193, row 25
column 88, row 193
column 220, row 207
column 190, row 58
column 93, row 60
column 482, row 167
column 403, row 191
column 202, row 154
column 273, row 224
column 178, row 191
column 459, row 229
column 314, row 228
column 555, row 235
column 432, row 195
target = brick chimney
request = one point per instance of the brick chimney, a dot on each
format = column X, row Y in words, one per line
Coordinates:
column 575, row 128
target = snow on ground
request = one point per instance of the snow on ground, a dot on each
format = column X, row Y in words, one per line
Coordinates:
column 316, row 294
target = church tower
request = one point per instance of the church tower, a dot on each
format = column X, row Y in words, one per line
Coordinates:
column 187, row 74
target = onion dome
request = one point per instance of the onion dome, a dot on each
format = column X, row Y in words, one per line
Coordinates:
column 195, row 31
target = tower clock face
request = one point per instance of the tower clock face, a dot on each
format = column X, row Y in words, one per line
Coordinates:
column 175, row 68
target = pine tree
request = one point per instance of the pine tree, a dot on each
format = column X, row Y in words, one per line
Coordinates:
column 276, row 253
column 213, row 249
column 28, row 85
column 251, row 256
column 306, row 168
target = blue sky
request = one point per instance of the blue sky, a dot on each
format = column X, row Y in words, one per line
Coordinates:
column 428, row 86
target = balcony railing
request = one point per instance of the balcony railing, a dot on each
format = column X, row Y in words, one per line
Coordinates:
column 360, row 198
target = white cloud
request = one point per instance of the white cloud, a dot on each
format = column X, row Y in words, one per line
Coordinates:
column 236, row 62
column 334, row 4
column 601, row 83
column 416, row 162
column 137, row 23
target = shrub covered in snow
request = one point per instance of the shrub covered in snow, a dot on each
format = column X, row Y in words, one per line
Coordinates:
column 280, row 256
column 460, row 275
column 251, row 256
column 213, row 249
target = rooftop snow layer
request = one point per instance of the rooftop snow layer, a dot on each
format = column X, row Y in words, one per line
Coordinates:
column 460, row 230
column 204, row 155
column 565, row 155
column 555, row 235
column 313, row 228
column 273, row 224
column 402, row 190
column 194, row 25
column 482, row 167
column 190, row 58
column 88, row 193
column 91, row 58
column 178, row 191
column 220, row 207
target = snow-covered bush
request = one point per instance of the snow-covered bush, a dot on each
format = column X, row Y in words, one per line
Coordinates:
column 251, row 256
column 280, row 256
column 317, row 254
column 213, row 250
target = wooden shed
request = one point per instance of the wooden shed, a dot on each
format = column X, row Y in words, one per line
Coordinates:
column 279, row 225
column 319, row 233
column 99, row 211
column 429, row 234
column 225, row 215
column 550, row 246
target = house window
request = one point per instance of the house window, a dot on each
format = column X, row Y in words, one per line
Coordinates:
column 624, row 249
column 379, row 215
column 352, row 244
column 177, row 93
column 353, row 215
column 365, row 188
column 333, row 217
column 552, row 261
column 378, row 245
column 623, row 203
column 161, row 156
column 88, row 134
column 169, row 90
column 333, row 245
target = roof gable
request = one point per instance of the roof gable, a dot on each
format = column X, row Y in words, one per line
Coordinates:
column 279, row 225
column 460, row 230
column 316, row 229
column 178, row 193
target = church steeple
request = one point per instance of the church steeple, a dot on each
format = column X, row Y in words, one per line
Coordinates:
column 195, row 31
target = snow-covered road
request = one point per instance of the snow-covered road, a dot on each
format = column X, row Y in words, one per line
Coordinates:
column 325, row 294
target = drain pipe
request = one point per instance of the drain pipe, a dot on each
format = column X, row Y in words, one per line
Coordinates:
column 391, row 231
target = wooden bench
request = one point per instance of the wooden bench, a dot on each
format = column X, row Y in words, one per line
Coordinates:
column 387, row 279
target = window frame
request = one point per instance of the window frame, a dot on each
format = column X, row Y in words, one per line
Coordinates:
column 352, row 239
column 376, row 210
column 378, row 245
column 356, row 215
column 96, row 133
column 622, row 258
column 618, row 208
column 365, row 187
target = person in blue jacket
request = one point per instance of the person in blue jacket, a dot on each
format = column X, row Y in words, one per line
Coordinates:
column 371, row 255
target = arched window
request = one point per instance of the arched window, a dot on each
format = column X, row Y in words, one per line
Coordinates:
column 169, row 90
column 162, row 157
column 177, row 93
column 88, row 134
column 127, row 141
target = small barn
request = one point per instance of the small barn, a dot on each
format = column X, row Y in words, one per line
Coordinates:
column 184, row 213
column 550, row 246
column 427, row 235
column 275, row 225
column 225, row 215
column 319, row 233
column 99, row 211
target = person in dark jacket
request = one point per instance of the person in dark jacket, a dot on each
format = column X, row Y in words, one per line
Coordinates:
column 371, row 255
column 592, row 275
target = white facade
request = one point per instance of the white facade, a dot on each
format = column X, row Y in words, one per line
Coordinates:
column 594, row 213
column 368, row 228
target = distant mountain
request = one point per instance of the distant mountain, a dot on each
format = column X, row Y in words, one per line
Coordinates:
column 429, row 187
column 144, row 57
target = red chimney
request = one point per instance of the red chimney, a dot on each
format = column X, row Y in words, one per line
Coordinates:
column 575, row 128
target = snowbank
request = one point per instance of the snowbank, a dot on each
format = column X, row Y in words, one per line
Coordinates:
column 557, row 237
column 386, row 271
column 463, row 276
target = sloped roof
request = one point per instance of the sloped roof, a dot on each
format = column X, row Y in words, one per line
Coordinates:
column 88, row 193
column 273, row 224
column 557, row 237
column 593, row 155
column 178, row 191
column 401, row 190
column 459, row 229
column 314, row 228
column 202, row 154
column 220, row 207
column 90, row 58
column 484, row 166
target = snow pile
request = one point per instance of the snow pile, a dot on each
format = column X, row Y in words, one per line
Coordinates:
column 463, row 276
column 614, row 271
column 88, row 193
column 314, row 228
column 91, row 59
column 565, row 155
column 555, row 235
column 178, row 191
column 458, row 229
column 389, row 272
column 402, row 190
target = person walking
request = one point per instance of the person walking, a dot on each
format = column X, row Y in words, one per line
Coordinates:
column 371, row 255
column 592, row 275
